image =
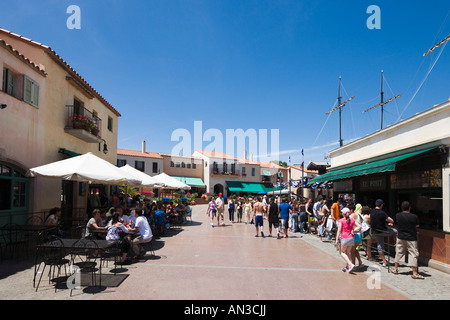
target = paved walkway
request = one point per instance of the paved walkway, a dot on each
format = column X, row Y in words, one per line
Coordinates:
column 198, row 262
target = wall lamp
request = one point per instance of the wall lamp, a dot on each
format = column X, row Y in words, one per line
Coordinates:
column 3, row 106
column 105, row 147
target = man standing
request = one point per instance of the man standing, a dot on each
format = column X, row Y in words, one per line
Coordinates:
column 284, row 215
column 407, row 239
column 378, row 220
column 220, row 209
column 258, row 212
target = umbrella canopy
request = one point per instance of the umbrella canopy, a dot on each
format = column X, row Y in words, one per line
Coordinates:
column 86, row 168
column 171, row 183
column 146, row 180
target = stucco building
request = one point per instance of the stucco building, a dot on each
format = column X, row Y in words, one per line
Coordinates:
column 41, row 93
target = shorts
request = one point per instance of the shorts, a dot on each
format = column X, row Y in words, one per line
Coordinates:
column 347, row 242
column 258, row 221
column 411, row 247
column 380, row 237
column 284, row 223
column 273, row 223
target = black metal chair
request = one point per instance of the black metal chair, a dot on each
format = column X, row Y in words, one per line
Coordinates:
column 113, row 252
column 50, row 253
column 14, row 239
column 84, row 256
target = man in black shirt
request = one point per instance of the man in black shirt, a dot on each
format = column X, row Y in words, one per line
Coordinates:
column 378, row 220
column 407, row 239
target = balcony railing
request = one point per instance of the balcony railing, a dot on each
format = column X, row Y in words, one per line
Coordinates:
column 83, row 124
column 219, row 170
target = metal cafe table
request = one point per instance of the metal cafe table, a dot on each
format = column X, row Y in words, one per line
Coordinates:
column 70, row 245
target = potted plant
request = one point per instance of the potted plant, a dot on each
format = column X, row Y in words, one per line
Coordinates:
column 79, row 122
column 94, row 129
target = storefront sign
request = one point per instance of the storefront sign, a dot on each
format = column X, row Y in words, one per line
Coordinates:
column 378, row 183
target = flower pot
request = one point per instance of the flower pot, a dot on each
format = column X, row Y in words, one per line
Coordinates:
column 95, row 131
column 78, row 125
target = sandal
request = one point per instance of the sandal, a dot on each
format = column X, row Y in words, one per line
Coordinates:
column 417, row 276
column 395, row 271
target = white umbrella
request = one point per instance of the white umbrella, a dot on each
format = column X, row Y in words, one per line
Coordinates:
column 171, row 183
column 87, row 168
column 146, row 180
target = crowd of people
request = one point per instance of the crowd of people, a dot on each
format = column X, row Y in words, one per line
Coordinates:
column 144, row 220
column 352, row 227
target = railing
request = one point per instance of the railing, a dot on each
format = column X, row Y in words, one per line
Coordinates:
column 89, row 121
column 220, row 170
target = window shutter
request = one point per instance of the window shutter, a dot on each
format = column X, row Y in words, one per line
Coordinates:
column 30, row 91
column 35, row 99
column 11, row 83
column 4, row 83
column 27, row 89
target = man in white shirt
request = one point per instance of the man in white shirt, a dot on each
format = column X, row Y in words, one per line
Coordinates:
column 220, row 209
column 145, row 233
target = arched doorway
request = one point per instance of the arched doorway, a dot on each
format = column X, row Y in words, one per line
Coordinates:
column 13, row 195
column 218, row 188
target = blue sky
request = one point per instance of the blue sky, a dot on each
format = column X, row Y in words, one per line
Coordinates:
column 248, row 64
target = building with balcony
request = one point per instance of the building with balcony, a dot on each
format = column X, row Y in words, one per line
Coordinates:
column 51, row 113
column 231, row 175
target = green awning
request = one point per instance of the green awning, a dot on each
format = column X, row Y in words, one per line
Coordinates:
column 267, row 173
column 68, row 152
column 191, row 181
column 365, row 169
column 249, row 187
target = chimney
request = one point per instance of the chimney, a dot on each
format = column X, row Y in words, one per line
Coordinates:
column 251, row 156
column 245, row 154
column 143, row 146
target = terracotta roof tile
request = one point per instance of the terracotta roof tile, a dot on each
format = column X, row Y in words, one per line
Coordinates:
column 22, row 57
column 66, row 66
column 138, row 153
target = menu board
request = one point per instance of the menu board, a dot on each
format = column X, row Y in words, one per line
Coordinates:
column 422, row 179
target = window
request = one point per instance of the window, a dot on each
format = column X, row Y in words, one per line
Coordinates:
column 172, row 164
column 188, row 166
column 19, row 194
column 9, row 82
column 183, row 165
column 253, row 172
column 243, row 171
column 140, row 165
column 121, row 163
column 110, row 124
column 194, row 166
column 30, row 92
column 177, row 165
column 155, row 167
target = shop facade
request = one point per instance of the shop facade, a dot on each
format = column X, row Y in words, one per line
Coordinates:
column 407, row 161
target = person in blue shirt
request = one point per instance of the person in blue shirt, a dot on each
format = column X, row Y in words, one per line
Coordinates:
column 284, row 215
column 159, row 219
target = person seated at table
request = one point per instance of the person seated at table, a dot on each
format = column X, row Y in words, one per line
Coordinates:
column 145, row 234
column 53, row 220
column 180, row 209
column 118, row 232
column 94, row 224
